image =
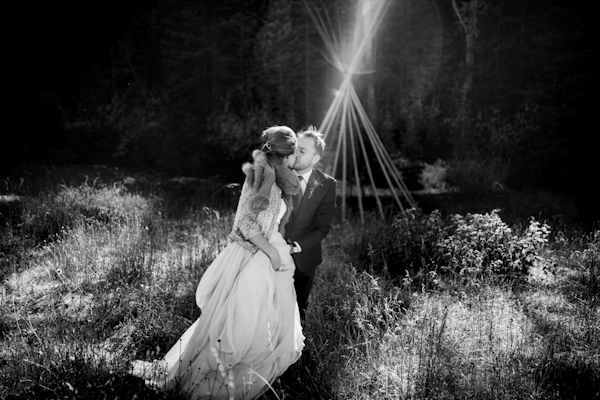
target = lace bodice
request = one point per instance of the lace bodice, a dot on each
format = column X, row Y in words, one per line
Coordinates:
column 282, row 210
column 248, row 224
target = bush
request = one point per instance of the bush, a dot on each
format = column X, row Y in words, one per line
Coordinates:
column 482, row 245
column 433, row 177
column 46, row 216
column 414, row 240
column 477, row 177
column 588, row 260
column 475, row 247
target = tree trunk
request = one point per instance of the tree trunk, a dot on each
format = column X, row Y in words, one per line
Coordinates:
column 471, row 32
column 368, row 63
column 467, row 17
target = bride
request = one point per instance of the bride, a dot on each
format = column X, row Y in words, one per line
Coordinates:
column 249, row 331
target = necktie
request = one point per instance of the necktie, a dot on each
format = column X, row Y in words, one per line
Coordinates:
column 300, row 192
column 302, row 184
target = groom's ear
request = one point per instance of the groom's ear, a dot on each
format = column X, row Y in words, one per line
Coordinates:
column 316, row 159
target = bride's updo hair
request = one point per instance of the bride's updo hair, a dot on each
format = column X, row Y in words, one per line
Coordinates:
column 278, row 142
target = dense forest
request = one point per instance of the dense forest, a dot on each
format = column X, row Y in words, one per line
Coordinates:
column 184, row 87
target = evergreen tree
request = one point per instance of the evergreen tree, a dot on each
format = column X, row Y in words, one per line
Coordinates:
column 278, row 68
column 409, row 72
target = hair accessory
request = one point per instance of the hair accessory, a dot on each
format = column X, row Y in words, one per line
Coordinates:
column 267, row 146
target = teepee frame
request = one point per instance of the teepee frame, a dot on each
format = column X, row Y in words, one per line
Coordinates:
column 346, row 121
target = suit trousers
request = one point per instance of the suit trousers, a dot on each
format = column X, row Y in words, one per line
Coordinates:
column 302, row 284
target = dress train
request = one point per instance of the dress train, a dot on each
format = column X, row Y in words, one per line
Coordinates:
column 248, row 334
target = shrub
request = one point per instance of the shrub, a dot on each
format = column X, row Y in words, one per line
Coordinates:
column 588, row 260
column 47, row 216
column 477, row 177
column 482, row 245
column 419, row 247
column 414, row 240
column 433, row 177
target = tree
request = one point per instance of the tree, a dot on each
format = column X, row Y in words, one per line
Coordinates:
column 467, row 14
column 410, row 73
column 278, row 69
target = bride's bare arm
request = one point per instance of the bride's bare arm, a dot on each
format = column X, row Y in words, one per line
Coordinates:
column 263, row 244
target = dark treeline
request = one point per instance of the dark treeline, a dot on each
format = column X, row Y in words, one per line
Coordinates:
column 184, row 86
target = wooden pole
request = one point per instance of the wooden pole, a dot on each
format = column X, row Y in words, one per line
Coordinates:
column 375, row 144
column 357, row 175
column 343, row 128
column 368, row 165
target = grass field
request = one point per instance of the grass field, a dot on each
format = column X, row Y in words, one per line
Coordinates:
column 95, row 274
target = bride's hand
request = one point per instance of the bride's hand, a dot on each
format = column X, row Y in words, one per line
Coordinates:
column 275, row 260
column 271, row 252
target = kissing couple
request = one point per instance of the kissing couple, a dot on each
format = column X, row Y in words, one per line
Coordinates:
column 254, row 296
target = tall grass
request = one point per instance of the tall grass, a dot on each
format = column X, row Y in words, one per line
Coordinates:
column 463, row 339
column 444, row 346
column 116, row 280
column 94, row 276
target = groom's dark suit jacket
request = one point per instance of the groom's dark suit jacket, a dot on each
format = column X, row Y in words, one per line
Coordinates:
column 311, row 222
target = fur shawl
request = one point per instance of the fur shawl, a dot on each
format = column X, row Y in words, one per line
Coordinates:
column 260, row 176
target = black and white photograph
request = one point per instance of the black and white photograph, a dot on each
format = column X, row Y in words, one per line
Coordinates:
column 299, row 200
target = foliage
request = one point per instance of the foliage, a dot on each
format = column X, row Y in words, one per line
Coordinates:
column 474, row 248
column 48, row 215
column 409, row 62
column 450, row 340
column 68, row 372
column 588, row 260
column 163, row 85
column 495, row 149
column 237, row 132
column 142, row 120
column 431, row 345
column 276, row 52
column 481, row 246
column 477, row 176
column 354, row 308
column 433, row 177
column 120, row 278
column 497, row 135
column 120, row 283
column 414, row 238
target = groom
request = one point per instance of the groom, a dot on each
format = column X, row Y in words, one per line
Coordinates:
column 312, row 214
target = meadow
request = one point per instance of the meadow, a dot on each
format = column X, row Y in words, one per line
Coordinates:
column 101, row 270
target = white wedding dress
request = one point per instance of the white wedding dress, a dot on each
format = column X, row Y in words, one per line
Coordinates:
column 248, row 334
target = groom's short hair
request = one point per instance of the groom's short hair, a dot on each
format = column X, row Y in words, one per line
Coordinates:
column 313, row 132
